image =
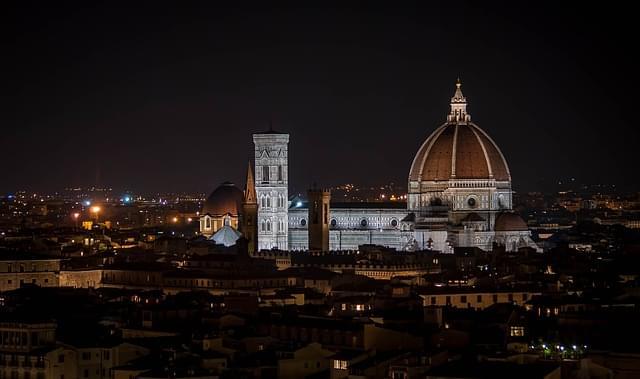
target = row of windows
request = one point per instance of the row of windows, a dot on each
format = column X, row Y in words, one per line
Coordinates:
column 22, row 281
column 463, row 299
column 232, row 284
column 265, row 225
column 363, row 223
column 266, row 201
column 267, row 171
column 27, row 375
column 23, row 268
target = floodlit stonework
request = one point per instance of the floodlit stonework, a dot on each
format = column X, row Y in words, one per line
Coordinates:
column 459, row 194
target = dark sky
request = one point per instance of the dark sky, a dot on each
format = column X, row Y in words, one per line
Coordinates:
column 160, row 97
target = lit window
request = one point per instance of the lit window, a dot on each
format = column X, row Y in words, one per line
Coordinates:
column 516, row 331
column 339, row 364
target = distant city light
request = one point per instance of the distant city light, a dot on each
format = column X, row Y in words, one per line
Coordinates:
column 95, row 209
column 87, row 203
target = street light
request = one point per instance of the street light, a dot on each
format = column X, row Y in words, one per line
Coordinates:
column 95, row 209
column 75, row 218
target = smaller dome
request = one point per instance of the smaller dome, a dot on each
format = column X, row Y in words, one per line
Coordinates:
column 226, row 199
column 226, row 236
column 473, row 217
column 510, row 222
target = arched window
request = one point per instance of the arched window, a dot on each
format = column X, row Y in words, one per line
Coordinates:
column 207, row 222
column 268, row 201
column 263, row 226
column 268, row 225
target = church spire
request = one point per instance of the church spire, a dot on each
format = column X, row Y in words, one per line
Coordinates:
column 458, row 105
column 250, row 196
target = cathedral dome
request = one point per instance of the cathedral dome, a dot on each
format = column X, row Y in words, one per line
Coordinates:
column 510, row 222
column 459, row 149
column 226, row 199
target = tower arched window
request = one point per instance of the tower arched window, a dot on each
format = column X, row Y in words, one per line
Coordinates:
column 263, row 226
column 268, row 225
column 268, row 201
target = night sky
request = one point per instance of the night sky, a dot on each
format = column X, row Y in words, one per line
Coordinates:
column 160, row 97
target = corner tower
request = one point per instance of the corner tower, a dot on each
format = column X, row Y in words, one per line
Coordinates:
column 319, row 219
column 272, row 188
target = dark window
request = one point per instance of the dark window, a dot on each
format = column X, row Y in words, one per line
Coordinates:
column 524, row 297
column 448, row 300
column 472, row 202
column 479, row 299
column 510, row 297
column 394, row 223
column 303, row 222
column 86, row 373
column 334, row 222
column 86, row 356
column 363, row 222
column 265, row 173
column 61, row 358
column 495, row 298
column 280, row 173
column 463, row 299
column 433, row 300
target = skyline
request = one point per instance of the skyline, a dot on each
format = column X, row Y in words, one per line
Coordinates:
column 166, row 100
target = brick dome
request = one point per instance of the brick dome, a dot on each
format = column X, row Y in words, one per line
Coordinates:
column 226, row 199
column 510, row 222
column 459, row 150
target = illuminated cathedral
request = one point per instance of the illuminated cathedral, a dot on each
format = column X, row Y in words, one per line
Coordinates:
column 459, row 194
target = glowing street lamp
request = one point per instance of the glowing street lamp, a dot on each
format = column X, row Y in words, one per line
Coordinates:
column 75, row 218
column 96, row 210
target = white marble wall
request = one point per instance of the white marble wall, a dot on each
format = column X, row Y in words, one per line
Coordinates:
column 271, row 175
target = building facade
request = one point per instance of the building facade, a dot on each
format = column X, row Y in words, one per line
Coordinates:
column 272, row 188
column 459, row 194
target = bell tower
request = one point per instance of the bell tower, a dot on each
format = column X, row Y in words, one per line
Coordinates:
column 272, row 189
